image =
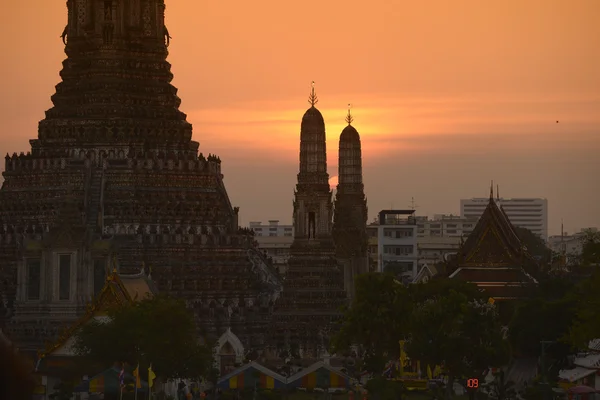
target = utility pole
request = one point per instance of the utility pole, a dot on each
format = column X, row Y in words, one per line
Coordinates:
column 545, row 387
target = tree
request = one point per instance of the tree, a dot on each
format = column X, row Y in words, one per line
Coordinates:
column 590, row 248
column 158, row 331
column 587, row 324
column 535, row 245
column 546, row 315
column 460, row 333
column 376, row 320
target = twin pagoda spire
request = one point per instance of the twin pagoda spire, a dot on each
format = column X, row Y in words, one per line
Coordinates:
column 313, row 148
column 313, row 206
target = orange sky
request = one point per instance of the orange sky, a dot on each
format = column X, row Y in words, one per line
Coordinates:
column 447, row 95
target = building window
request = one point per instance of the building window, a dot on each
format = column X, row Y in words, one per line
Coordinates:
column 34, row 279
column 451, row 231
column 398, row 250
column 99, row 275
column 64, row 277
column 272, row 234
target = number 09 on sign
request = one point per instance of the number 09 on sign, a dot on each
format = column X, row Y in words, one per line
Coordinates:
column 473, row 383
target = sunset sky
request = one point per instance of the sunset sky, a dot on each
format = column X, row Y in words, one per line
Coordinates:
column 447, row 95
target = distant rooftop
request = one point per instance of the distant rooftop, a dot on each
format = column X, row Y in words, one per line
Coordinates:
column 397, row 217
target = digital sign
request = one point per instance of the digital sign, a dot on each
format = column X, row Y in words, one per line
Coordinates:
column 473, row 383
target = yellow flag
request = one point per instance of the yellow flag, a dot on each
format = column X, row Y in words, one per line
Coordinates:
column 491, row 300
column 429, row 373
column 151, row 376
column 138, row 380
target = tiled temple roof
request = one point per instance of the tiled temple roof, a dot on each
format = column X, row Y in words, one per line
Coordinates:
column 494, row 257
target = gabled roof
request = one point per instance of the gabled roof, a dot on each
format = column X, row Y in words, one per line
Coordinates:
column 250, row 366
column 297, row 379
column 117, row 291
column 425, row 273
column 494, row 241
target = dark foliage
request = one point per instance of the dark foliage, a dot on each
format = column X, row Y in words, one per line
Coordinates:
column 158, row 331
column 16, row 382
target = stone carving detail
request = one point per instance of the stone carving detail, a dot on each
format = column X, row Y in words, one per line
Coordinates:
column 147, row 19
column 81, row 12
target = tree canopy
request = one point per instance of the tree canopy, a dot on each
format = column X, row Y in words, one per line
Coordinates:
column 377, row 319
column 158, row 331
column 586, row 325
column 590, row 248
column 444, row 321
column 460, row 333
column 535, row 245
column 546, row 315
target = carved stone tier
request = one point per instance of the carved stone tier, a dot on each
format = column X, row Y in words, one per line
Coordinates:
column 116, row 146
column 350, row 216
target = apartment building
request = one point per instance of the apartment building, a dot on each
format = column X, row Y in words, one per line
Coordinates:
column 397, row 243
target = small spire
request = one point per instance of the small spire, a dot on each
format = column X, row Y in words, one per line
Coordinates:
column 498, row 192
column 492, row 191
column 312, row 99
column 349, row 118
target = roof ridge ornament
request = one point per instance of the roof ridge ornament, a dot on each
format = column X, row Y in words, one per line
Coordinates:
column 492, row 191
column 313, row 99
column 349, row 117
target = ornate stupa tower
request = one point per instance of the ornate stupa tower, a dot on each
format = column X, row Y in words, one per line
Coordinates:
column 313, row 288
column 350, row 217
column 114, row 175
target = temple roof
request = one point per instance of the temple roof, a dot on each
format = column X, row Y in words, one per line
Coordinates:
column 494, row 242
column 117, row 291
column 494, row 258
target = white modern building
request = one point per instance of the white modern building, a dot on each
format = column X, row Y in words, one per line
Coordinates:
column 445, row 225
column 276, row 240
column 397, row 243
column 530, row 213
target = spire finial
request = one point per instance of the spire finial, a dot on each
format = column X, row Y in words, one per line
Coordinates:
column 312, row 99
column 492, row 191
column 349, row 118
column 497, row 192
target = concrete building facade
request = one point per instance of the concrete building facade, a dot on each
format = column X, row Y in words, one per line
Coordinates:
column 397, row 243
